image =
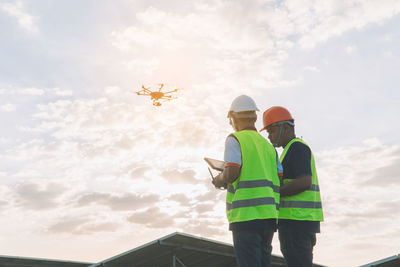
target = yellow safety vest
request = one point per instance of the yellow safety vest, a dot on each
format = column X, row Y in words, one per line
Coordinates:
column 307, row 205
column 255, row 193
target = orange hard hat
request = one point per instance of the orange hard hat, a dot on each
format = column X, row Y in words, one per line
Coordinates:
column 276, row 114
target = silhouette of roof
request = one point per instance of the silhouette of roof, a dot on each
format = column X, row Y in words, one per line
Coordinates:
column 176, row 249
column 393, row 261
column 179, row 249
column 11, row 261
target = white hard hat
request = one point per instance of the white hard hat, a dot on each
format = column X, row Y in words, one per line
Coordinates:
column 241, row 104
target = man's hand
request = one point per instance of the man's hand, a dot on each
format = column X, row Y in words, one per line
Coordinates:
column 229, row 175
column 296, row 186
column 218, row 181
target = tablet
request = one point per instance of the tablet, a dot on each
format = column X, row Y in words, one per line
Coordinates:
column 215, row 164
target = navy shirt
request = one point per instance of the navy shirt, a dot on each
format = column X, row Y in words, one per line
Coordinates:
column 297, row 162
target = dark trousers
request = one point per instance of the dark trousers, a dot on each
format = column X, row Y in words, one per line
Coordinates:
column 296, row 246
column 253, row 247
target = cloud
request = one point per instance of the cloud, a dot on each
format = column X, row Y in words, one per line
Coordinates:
column 67, row 225
column 33, row 91
column 351, row 49
column 363, row 214
column 231, row 50
column 385, row 176
column 310, row 23
column 334, row 18
column 33, row 196
column 105, row 126
column 99, row 227
column 61, row 92
column 40, row 91
column 183, row 199
column 139, row 172
column 180, row 177
column 80, row 226
column 210, row 228
column 126, row 201
column 312, row 68
column 359, row 196
column 5, row 191
column 185, row 212
column 25, row 20
column 388, row 54
column 204, row 207
column 226, row 45
column 152, row 218
column 8, row 107
column 3, row 203
column 20, row 93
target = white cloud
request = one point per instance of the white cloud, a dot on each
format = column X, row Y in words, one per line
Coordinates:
column 176, row 176
column 318, row 21
column 387, row 38
column 350, row 49
column 32, row 196
column 227, row 45
column 8, row 107
column 359, row 199
column 41, row 91
column 148, row 67
column 388, row 54
column 60, row 92
column 139, row 172
column 80, row 226
column 146, row 217
column 33, row 91
column 312, row 68
column 231, row 48
column 126, row 201
column 16, row 10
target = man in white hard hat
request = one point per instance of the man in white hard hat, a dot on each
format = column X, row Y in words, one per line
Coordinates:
column 251, row 178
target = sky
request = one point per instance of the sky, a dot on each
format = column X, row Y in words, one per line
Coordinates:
column 89, row 169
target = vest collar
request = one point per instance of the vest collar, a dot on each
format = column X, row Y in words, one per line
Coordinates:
column 251, row 128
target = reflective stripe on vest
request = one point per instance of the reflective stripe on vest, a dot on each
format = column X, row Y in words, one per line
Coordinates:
column 255, row 193
column 253, row 184
column 300, row 204
column 245, row 203
column 306, row 205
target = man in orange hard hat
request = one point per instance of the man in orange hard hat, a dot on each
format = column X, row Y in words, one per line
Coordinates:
column 300, row 210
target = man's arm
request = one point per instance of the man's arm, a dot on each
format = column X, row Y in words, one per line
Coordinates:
column 297, row 186
column 233, row 159
column 229, row 175
column 300, row 166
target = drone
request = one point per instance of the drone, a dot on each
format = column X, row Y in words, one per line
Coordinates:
column 156, row 96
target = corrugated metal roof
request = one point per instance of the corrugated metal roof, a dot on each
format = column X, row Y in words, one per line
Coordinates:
column 187, row 249
column 182, row 250
column 393, row 261
column 177, row 250
column 11, row 261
